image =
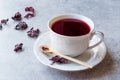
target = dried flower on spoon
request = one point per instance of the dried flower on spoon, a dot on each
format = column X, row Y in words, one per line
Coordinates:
column 44, row 48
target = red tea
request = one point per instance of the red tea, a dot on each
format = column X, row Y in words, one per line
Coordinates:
column 71, row 27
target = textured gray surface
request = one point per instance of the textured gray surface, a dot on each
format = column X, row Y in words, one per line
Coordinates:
column 25, row 66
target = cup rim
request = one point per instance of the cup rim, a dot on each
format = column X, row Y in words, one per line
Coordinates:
column 58, row 17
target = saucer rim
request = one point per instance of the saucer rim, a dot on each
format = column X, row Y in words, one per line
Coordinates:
column 52, row 66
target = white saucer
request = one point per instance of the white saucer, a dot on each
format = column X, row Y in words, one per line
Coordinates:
column 93, row 56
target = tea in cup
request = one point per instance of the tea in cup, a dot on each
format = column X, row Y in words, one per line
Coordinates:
column 71, row 34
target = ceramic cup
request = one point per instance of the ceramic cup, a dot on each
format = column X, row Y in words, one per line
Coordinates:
column 73, row 45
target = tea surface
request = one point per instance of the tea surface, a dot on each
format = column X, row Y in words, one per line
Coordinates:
column 71, row 27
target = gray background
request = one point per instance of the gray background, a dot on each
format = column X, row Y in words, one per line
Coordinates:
column 25, row 66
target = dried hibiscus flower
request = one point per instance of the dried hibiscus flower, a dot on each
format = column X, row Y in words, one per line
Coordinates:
column 4, row 21
column 44, row 48
column 29, row 15
column 17, row 16
column 21, row 26
column 0, row 26
column 58, row 60
column 33, row 33
column 31, row 9
column 18, row 47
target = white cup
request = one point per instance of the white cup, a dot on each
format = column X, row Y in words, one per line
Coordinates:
column 73, row 45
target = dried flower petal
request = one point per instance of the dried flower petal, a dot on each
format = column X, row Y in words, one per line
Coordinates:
column 29, row 15
column 21, row 26
column 18, row 47
column 55, row 59
column 45, row 48
column 31, row 9
column 17, row 16
column 33, row 33
column 0, row 26
column 4, row 21
column 58, row 59
column 63, row 60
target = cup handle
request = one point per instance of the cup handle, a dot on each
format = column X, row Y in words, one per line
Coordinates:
column 101, row 38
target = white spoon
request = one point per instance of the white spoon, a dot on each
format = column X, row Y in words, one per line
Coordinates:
column 49, row 50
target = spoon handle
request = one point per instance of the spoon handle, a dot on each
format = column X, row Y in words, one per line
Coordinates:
column 73, row 59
